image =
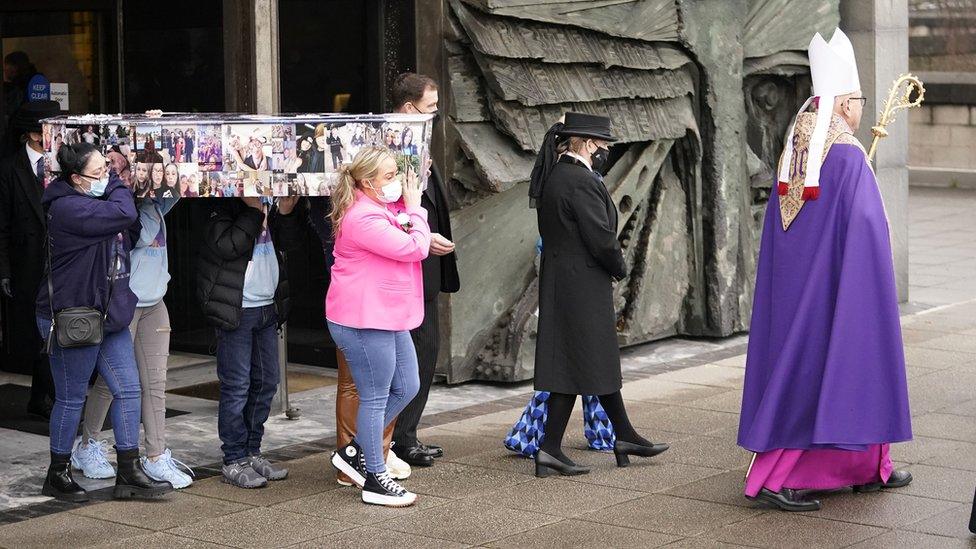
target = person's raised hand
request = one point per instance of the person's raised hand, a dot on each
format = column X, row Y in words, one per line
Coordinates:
column 5, row 286
column 411, row 189
column 440, row 245
column 286, row 204
column 254, row 202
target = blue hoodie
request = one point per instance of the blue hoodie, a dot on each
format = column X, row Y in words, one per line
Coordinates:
column 150, row 262
column 87, row 234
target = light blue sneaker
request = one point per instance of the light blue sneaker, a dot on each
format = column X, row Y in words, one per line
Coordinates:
column 168, row 469
column 92, row 459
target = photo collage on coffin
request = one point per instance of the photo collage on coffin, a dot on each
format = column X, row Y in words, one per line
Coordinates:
column 238, row 155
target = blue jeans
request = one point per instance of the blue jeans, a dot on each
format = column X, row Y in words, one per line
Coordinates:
column 71, row 370
column 384, row 366
column 247, row 367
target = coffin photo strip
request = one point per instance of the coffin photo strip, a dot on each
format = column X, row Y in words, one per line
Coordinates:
column 224, row 156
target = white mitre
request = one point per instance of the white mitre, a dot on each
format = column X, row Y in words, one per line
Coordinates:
column 833, row 69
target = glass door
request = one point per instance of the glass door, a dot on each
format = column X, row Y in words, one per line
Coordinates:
column 71, row 49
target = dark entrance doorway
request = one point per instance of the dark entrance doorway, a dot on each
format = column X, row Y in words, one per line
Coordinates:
column 119, row 56
column 335, row 56
column 73, row 46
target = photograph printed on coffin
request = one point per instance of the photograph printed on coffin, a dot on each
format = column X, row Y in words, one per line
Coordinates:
column 312, row 184
column 285, row 132
column 328, row 184
column 208, row 148
column 322, row 148
column 189, row 179
column 247, row 147
column 210, row 184
column 147, row 143
column 290, row 162
column 117, row 147
column 139, row 178
column 279, row 184
column 53, row 138
column 257, row 183
column 179, row 143
column 89, row 134
column 119, row 162
column 116, row 136
column 408, row 142
column 227, row 184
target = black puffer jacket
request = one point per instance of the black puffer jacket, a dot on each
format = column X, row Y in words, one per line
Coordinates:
column 229, row 243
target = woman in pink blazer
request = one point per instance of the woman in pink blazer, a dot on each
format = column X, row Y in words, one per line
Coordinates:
column 375, row 298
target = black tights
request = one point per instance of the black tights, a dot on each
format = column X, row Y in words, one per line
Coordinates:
column 560, row 407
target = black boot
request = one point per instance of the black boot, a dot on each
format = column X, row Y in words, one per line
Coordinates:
column 622, row 449
column 546, row 465
column 132, row 481
column 59, row 484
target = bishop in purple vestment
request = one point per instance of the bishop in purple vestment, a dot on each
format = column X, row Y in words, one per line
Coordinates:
column 825, row 389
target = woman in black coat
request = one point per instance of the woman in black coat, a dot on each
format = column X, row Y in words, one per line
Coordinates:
column 577, row 351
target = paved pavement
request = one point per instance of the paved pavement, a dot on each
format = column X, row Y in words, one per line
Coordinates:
column 480, row 494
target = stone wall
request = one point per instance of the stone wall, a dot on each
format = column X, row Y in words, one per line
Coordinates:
column 942, row 131
column 942, row 136
column 700, row 93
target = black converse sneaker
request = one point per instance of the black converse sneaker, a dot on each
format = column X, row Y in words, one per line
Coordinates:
column 380, row 489
column 351, row 461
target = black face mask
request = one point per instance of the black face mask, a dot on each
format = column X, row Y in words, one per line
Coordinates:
column 600, row 160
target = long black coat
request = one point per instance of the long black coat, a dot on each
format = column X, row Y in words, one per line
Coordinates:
column 22, row 257
column 577, row 350
column 440, row 272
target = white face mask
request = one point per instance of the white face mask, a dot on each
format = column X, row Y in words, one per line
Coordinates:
column 389, row 193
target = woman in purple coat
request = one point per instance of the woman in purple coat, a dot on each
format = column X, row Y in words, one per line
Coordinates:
column 89, row 214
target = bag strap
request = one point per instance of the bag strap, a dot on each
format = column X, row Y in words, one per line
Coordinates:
column 116, row 258
column 50, row 274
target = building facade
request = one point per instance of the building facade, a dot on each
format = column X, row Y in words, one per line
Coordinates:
column 700, row 92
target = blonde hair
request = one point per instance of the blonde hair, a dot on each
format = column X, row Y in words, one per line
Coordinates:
column 366, row 165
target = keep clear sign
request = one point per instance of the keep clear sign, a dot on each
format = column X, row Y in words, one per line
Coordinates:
column 39, row 88
column 59, row 93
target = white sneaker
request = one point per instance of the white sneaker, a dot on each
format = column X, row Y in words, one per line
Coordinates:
column 92, row 459
column 398, row 469
column 167, row 469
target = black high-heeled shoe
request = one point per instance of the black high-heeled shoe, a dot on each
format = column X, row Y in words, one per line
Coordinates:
column 546, row 465
column 622, row 449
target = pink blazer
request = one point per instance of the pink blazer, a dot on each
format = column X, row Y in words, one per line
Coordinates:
column 377, row 282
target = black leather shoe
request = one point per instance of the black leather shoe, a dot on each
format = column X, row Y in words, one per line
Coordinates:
column 132, row 481
column 432, row 450
column 786, row 500
column 898, row 479
column 59, row 484
column 413, row 455
column 622, row 449
column 546, row 465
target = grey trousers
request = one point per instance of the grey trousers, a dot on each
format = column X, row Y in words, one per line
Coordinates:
column 150, row 330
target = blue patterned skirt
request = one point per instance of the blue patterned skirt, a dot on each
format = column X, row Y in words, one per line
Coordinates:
column 527, row 433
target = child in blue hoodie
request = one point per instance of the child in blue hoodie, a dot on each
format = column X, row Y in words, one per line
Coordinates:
column 150, row 329
column 89, row 213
